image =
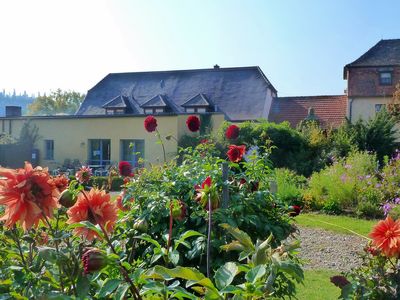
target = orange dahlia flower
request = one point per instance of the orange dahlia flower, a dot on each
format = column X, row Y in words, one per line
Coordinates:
column 386, row 236
column 95, row 207
column 27, row 194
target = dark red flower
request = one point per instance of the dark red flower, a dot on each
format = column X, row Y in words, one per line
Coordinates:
column 340, row 281
column 93, row 260
column 193, row 123
column 125, row 168
column 150, row 123
column 232, row 132
column 235, row 153
column 294, row 210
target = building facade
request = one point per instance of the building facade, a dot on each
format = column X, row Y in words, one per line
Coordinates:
column 371, row 79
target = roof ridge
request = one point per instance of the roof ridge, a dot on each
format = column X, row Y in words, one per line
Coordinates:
column 315, row 96
column 187, row 70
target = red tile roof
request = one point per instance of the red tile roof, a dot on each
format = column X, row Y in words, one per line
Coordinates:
column 329, row 110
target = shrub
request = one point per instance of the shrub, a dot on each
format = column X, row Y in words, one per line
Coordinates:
column 290, row 186
column 345, row 184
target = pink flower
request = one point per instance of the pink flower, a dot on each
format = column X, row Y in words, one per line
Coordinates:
column 84, row 174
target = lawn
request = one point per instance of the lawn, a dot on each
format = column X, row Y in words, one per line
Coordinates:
column 317, row 286
column 339, row 224
column 317, row 283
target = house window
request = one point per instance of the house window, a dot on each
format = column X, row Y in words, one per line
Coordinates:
column 99, row 152
column 115, row 111
column 159, row 110
column 49, row 149
column 378, row 107
column 148, row 111
column 385, row 78
column 132, row 151
column 195, row 109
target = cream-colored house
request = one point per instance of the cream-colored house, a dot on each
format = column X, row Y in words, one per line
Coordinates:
column 371, row 79
column 111, row 116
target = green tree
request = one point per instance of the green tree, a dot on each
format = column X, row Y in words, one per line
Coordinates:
column 58, row 102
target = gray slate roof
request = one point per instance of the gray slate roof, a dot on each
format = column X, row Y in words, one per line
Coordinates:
column 384, row 53
column 239, row 93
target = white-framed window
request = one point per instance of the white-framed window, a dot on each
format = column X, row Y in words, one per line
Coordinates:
column 115, row 111
column 49, row 149
column 378, row 107
column 99, row 152
column 132, row 151
column 385, row 78
column 159, row 110
column 195, row 110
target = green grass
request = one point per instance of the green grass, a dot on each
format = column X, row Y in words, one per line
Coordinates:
column 317, row 286
column 339, row 224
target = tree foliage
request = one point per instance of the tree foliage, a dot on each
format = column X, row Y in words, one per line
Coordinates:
column 394, row 105
column 58, row 102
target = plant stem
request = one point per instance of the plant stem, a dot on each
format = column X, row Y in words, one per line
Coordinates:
column 171, row 221
column 16, row 239
column 209, row 236
column 134, row 290
column 162, row 145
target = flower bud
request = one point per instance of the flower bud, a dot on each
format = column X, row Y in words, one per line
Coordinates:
column 178, row 209
column 93, row 260
column 141, row 225
column 67, row 199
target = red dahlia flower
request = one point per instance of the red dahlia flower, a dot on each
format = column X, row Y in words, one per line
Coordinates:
column 235, row 153
column 121, row 204
column 207, row 188
column 27, row 195
column 232, row 132
column 294, row 210
column 125, row 168
column 95, row 207
column 193, row 123
column 93, row 260
column 84, row 174
column 386, row 237
column 340, row 281
column 61, row 182
column 150, row 123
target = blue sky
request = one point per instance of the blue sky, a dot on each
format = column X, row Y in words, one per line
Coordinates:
column 301, row 46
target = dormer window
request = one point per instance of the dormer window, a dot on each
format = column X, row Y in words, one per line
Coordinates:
column 117, row 106
column 115, row 111
column 155, row 105
column 197, row 104
column 151, row 111
column 385, row 78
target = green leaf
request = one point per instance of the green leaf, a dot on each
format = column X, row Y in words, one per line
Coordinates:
column 108, row 287
column 233, row 246
column 48, row 254
column 255, row 273
column 174, row 257
column 82, row 286
column 225, row 275
column 147, row 238
column 241, row 236
column 186, row 235
column 88, row 225
column 121, row 291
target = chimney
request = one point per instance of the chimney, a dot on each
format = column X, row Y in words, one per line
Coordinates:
column 216, row 67
column 13, row 111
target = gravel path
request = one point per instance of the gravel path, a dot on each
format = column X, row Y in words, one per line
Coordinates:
column 322, row 249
